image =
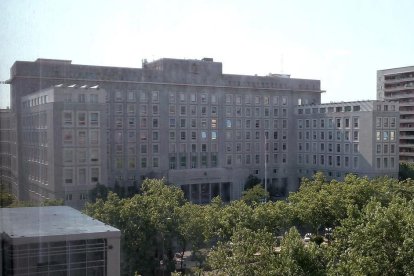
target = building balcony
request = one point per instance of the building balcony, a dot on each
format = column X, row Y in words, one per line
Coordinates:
column 398, row 80
column 406, row 145
column 402, row 128
column 406, row 153
column 403, row 103
column 399, row 95
column 399, row 88
column 405, row 112
column 411, row 120
column 406, row 137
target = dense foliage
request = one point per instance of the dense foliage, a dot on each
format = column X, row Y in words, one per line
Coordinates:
column 8, row 200
column 372, row 222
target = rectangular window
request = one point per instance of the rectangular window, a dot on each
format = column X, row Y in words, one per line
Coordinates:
column 94, row 155
column 355, row 122
column 67, row 118
column 81, row 119
column 385, row 135
column 378, row 163
column 347, row 125
column 154, row 96
column 94, row 137
column 155, row 162
column 155, row 122
column 172, row 123
column 82, row 176
column 338, row 122
column 356, row 135
column 392, row 135
column 155, row 110
column 392, row 122
column 356, row 148
column 131, row 96
column 82, row 155
column 67, row 137
column 67, row 155
column 81, row 137
column 94, row 175
column 143, row 162
column 143, row 111
column 68, row 176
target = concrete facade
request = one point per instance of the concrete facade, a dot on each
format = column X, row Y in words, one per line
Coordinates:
column 7, row 151
column 57, row 240
column 397, row 84
column 338, row 138
column 183, row 120
column 63, row 143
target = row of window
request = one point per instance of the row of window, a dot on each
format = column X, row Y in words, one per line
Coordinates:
column 385, row 148
column 83, row 137
column 330, row 109
column 81, row 119
column 131, row 149
column 228, row 123
column 42, row 99
column 202, row 98
column 330, row 147
column 35, row 121
column 183, row 135
column 37, row 172
column 36, row 154
column 132, row 96
column 328, row 160
column 385, row 135
column 330, row 123
column 385, row 163
column 329, row 135
column 80, row 98
column 81, row 155
column 38, row 138
column 385, row 122
column 84, row 176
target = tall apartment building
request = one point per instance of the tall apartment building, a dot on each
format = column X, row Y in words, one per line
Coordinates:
column 397, row 84
column 337, row 138
column 183, row 120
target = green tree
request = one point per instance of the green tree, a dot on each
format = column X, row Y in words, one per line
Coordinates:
column 247, row 253
column 6, row 198
column 254, row 253
column 378, row 240
column 148, row 223
column 255, row 195
column 191, row 228
column 251, row 182
column 99, row 191
column 406, row 171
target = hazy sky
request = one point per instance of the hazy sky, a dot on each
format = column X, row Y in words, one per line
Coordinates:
column 342, row 43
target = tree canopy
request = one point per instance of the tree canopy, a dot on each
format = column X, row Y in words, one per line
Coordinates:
column 371, row 220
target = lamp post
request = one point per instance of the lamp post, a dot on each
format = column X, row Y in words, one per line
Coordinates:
column 162, row 263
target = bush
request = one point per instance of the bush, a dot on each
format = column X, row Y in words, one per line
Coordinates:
column 317, row 239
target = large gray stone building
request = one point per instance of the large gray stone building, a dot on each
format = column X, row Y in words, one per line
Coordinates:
column 397, row 84
column 183, row 120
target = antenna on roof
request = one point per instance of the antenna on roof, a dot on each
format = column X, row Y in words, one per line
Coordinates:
column 281, row 63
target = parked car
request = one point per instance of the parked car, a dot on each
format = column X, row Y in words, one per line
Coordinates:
column 307, row 237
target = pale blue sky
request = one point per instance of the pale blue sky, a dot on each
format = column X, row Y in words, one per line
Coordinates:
column 342, row 43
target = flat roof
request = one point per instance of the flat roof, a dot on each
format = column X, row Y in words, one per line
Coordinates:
column 51, row 223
